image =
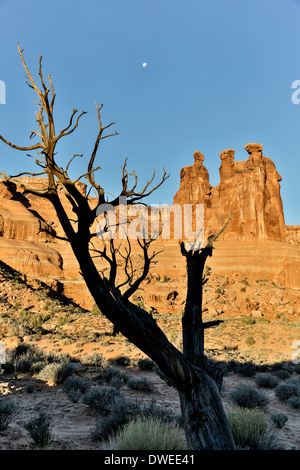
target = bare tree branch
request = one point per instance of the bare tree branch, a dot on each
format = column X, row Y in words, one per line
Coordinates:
column 144, row 244
column 90, row 173
column 209, row 243
column 52, row 234
column 74, row 156
column 19, row 175
column 27, row 188
column 67, row 130
column 131, row 194
column 212, row 238
column 17, row 147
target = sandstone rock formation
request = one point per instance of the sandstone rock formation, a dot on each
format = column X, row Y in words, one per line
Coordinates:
column 256, row 243
column 293, row 234
column 248, row 190
column 23, row 245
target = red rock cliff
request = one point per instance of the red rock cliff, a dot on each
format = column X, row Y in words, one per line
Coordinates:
column 248, row 190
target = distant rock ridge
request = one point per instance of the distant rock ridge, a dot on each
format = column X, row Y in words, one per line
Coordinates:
column 248, row 190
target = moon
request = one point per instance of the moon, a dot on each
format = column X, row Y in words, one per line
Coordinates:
column 144, row 64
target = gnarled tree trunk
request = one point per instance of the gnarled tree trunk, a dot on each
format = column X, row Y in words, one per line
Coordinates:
column 198, row 382
column 205, row 422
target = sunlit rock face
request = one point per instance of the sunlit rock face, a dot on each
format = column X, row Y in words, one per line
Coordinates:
column 248, row 190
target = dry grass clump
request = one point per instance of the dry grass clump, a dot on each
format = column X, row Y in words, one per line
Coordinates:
column 56, row 373
column 149, row 434
column 39, row 429
column 247, row 425
column 8, row 410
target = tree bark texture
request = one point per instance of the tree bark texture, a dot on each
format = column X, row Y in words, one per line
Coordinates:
column 205, row 422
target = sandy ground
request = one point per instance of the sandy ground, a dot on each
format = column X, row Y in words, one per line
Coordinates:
column 72, row 423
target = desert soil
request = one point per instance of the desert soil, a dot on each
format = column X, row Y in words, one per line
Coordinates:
column 73, row 422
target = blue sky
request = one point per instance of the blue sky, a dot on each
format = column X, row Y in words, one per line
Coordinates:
column 219, row 76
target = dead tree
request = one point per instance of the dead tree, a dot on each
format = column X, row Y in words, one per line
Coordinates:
column 195, row 378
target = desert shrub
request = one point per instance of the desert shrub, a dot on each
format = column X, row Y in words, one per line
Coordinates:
column 23, row 348
column 117, row 382
column 142, row 385
column 269, row 440
column 250, row 340
column 74, row 382
column 39, row 429
column 279, row 419
column 295, row 380
column 207, row 270
column 149, row 434
column 33, row 322
column 28, row 323
column 266, row 381
column 146, row 364
column 282, row 374
column 8, row 410
column 121, row 412
column 114, row 377
column 16, row 306
column 56, row 372
column 96, row 359
column 101, row 398
column 47, row 305
column 294, row 402
column 262, row 368
column 233, row 365
column 27, row 358
column 96, row 311
column 36, row 367
column 284, row 391
column 247, row 425
column 152, row 410
column 30, row 387
column 8, row 367
column 123, row 361
column 248, row 320
column 23, row 363
column 296, row 368
column 22, row 358
column 50, row 357
column 246, row 396
column 247, row 369
column 276, row 366
column 74, row 394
